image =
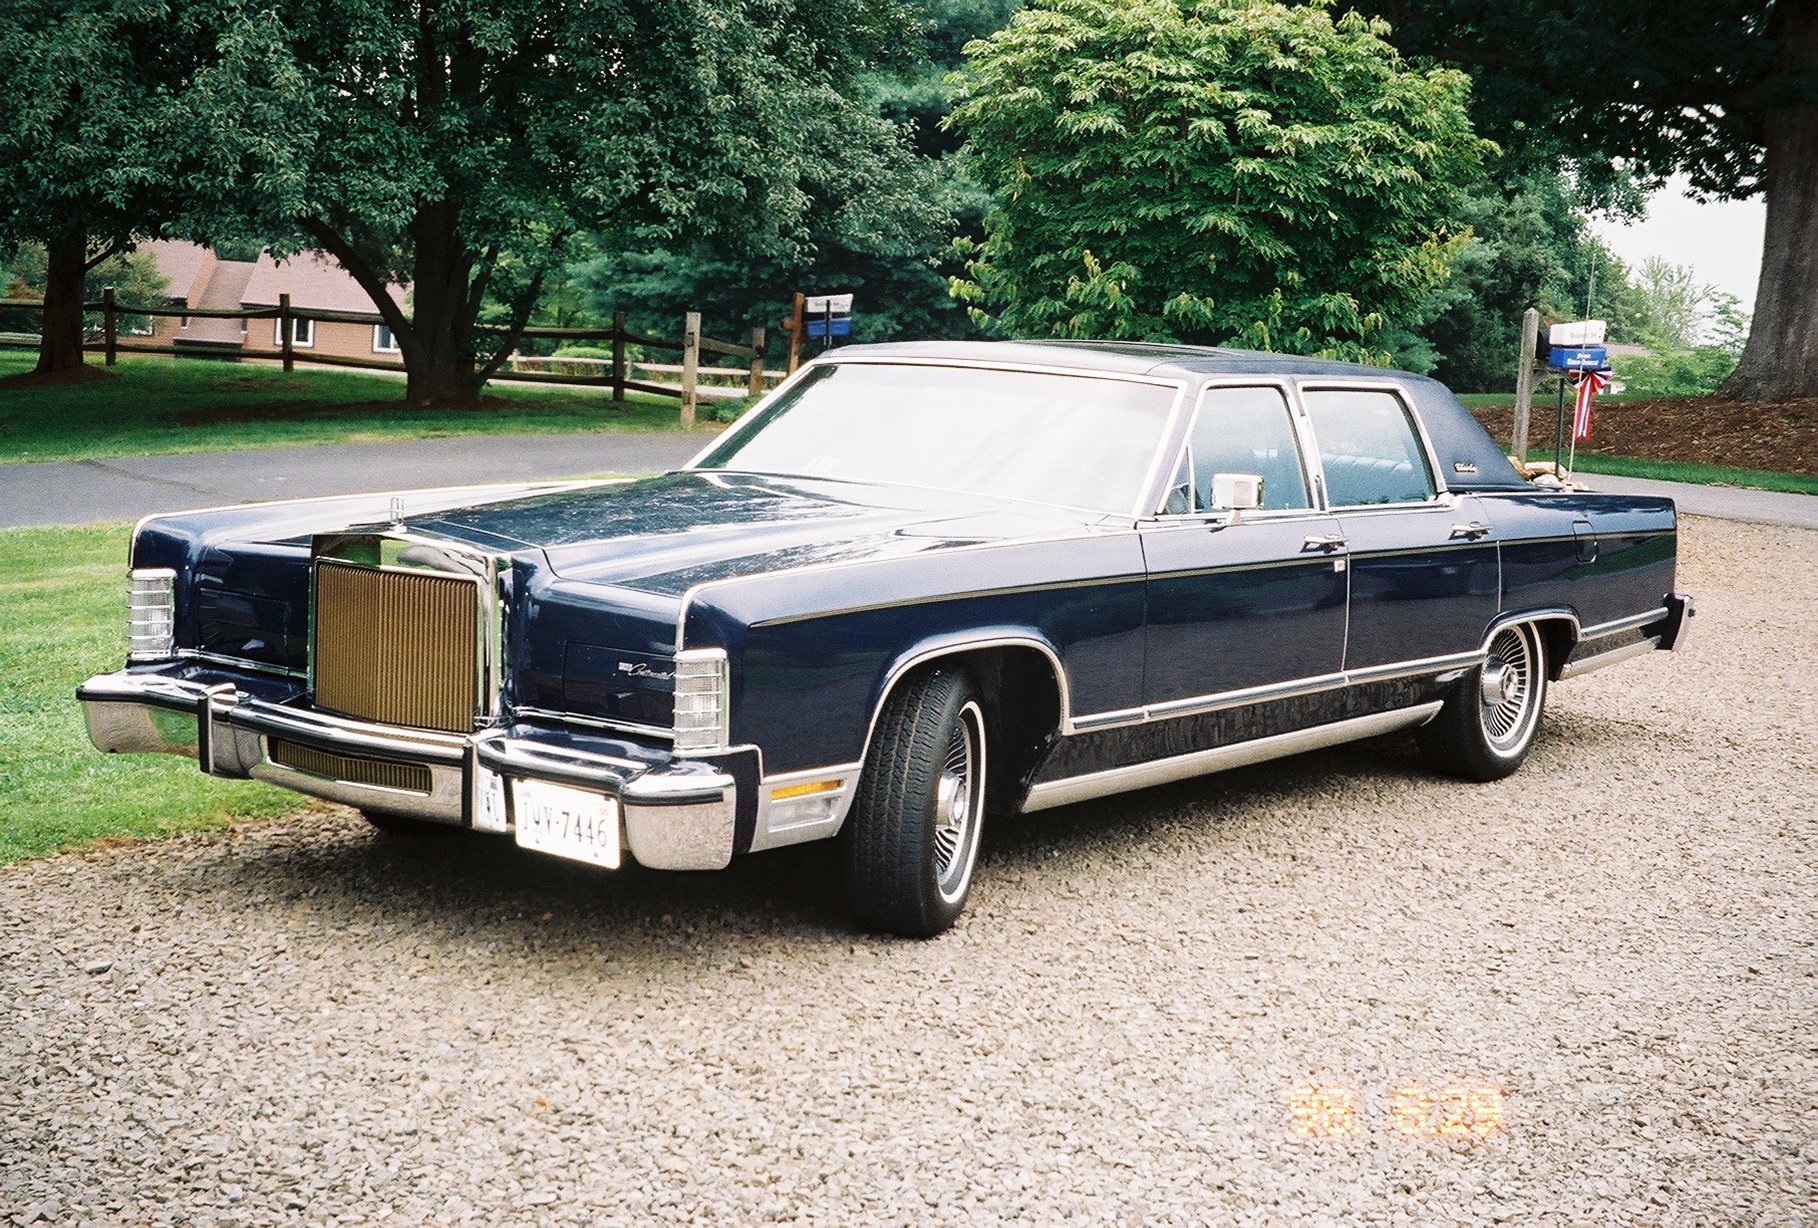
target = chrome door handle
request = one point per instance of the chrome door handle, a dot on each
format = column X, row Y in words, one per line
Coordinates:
column 1472, row 531
column 1328, row 542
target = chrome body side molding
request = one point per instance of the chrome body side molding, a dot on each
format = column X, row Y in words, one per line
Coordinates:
column 1241, row 754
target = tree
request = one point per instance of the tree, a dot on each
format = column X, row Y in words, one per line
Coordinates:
column 896, row 257
column 459, row 145
column 1232, row 171
column 110, row 130
column 1722, row 91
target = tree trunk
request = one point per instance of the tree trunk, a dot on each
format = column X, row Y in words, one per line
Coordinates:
column 1780, row 361
column 439, row 367
column 60, row 345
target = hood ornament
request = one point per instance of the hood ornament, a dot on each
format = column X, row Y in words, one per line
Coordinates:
column 397, row 510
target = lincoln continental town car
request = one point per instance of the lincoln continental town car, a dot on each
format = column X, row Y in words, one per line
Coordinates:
column 917, row 584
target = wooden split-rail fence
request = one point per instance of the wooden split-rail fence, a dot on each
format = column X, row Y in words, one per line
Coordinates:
column 616, row 374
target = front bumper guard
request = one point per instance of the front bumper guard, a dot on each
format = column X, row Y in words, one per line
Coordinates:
column 676, row 814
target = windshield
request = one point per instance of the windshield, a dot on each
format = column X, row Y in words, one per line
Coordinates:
column 1066, row 439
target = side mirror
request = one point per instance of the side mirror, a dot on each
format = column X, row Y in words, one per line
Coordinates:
column 1237, row 493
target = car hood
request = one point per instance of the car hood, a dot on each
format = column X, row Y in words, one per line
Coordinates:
column 667, row 533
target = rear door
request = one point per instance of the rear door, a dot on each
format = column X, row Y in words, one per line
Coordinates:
column 1425, row 575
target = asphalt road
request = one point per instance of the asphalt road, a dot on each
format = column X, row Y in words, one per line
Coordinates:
column 126, row 488
column 1584, row 995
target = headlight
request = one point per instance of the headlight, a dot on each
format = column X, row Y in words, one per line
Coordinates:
column 151, row 614
column 703, row 685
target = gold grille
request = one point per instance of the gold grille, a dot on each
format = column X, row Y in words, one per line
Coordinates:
column 413, row 777
column 396, row 646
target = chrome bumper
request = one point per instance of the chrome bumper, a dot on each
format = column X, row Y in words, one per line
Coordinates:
column 677, row 815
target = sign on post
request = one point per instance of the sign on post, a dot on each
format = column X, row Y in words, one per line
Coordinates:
column 828, row 315
column 1577, row 358
column 1575, row 333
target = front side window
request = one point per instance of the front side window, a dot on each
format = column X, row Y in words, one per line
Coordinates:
column 1072, row 440
column 1368, row 447
column 1241, row 430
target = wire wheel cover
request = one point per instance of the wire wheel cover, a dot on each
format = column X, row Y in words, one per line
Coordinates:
column 1510, row 689
column 957, row 803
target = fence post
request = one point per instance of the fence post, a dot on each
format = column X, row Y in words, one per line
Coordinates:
column 795, row 330
column 618, row 356
column 109, row 331
column 691, row 364
column 755, row 384
column 1524, row 386
column 287, row 333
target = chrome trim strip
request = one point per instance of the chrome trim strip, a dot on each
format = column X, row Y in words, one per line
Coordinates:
column 1621, row 624
column 967, row 595
column 1576, row 669
column 594, row 722
column 240, row 663
column 1242, row 754
column 1195, row 705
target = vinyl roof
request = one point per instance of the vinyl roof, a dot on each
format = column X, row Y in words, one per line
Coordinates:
column 1123, row 357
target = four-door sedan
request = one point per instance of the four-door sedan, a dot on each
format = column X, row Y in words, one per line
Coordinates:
column 917, row 584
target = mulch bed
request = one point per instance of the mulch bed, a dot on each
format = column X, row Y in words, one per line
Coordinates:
column 1777, row 437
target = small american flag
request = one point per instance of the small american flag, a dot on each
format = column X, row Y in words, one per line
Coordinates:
column 1590, row 383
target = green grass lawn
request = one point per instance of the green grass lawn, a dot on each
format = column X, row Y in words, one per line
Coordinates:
column 161, row 405
column 62, row 618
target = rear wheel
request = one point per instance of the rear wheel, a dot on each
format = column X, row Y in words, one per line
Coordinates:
column 404, row 825
column 1490, row 719
column 912, row 838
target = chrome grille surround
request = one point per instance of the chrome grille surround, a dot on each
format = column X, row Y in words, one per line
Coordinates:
column 406, row 630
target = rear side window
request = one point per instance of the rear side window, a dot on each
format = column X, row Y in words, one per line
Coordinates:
column 1241, row 430
column 1369, row 448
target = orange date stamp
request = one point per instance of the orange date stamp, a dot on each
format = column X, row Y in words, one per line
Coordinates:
column 1450, row 1111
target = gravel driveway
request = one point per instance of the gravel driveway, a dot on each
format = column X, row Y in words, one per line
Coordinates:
column 297, row 1022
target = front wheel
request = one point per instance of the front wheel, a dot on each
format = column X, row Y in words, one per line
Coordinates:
column 912, row 838
column 1490, row 719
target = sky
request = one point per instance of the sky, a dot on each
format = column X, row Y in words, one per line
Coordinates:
column 1721, row 240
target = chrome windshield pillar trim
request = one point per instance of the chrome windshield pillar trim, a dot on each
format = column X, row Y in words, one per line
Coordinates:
column 1242, row 754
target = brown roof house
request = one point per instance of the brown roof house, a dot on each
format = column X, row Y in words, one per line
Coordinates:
column 199, row 278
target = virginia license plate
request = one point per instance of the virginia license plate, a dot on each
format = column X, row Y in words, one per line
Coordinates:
column 570, row 823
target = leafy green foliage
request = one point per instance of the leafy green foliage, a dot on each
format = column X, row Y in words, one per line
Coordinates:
column 1694, row 372
column 1228, row 171
column 1616, row 88
column 899, row 265
column 133, row 274
column 462, row 146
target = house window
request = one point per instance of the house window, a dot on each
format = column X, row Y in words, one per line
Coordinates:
column 302, row 333
column 382, row 340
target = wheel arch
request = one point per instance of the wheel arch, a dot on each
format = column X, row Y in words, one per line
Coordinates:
column 1558, row 627
column 1024, row 687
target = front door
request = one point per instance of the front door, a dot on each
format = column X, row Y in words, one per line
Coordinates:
column 1255, row 601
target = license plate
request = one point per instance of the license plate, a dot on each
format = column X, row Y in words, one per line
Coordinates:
column 570, row 823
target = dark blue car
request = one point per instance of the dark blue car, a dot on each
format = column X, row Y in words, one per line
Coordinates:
column 916, row 585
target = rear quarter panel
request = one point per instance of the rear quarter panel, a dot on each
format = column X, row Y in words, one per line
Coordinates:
column 1632, row 564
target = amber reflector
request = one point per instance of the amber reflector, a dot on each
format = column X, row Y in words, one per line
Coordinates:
column 398, row 647
column 412, row 777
